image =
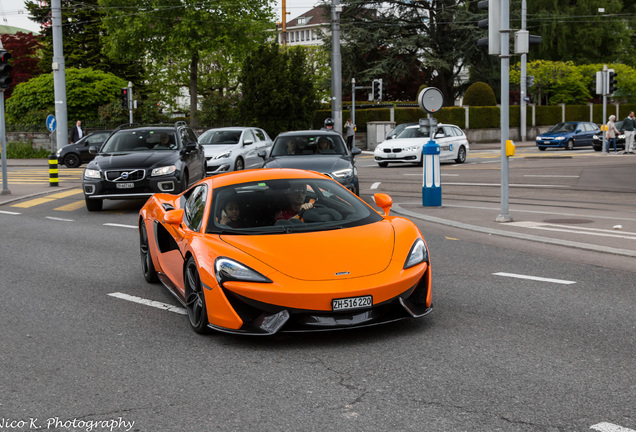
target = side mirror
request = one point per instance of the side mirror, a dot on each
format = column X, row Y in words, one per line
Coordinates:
column 93, row 149
column 355, row 151
column 248, row 142
column 173, row 217
column 383, row 201
column 262, row 154
column 577, row 131
column 191, row 146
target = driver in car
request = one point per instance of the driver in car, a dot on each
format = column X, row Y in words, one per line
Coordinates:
column 297, row 204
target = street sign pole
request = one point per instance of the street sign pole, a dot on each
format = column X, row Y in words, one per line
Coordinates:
column 3, row 143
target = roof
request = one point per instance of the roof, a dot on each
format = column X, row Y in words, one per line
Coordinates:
column 319, row 15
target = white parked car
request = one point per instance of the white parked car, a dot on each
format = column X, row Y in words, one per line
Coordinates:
column 234, row 148
column 407, row 146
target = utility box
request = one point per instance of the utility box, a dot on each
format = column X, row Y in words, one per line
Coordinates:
column 377, row 132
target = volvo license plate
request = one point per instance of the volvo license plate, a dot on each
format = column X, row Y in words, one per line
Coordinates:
column 125, row 185
column 352, row 303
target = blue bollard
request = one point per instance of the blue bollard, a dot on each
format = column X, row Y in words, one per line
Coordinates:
column 431, row 184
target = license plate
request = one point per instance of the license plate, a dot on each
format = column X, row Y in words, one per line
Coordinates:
column 124, row 185
column 392, row 155
column 352, row 303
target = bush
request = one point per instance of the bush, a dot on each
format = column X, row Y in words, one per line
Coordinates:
column 20, row 150
column 480, row 94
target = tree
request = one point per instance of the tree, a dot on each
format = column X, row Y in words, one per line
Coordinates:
column 86, row 91
column 178, row 38
column 83, row 40
column 23, row 48
column 576, row 31
column 410, row 43
column 280, row 101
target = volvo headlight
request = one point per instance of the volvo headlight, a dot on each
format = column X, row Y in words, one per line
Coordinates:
column 226, row 269
column 92, row 174
column 163, row 170
column 343, row 173
column 417, row 255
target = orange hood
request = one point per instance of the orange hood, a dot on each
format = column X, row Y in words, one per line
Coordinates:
column 324, row 255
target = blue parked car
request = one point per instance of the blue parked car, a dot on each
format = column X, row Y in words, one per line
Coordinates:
column 568, row 135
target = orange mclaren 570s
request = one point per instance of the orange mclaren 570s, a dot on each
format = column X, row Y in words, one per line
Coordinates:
column 281, row 250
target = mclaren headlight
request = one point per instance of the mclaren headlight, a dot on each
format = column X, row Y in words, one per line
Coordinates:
column 165, row 170
column 226, row 269
column 92, row 174
column 417, row 255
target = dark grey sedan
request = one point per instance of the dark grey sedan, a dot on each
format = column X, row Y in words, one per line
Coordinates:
column 321, row 151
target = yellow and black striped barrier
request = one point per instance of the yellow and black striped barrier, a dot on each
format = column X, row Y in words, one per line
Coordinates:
column 53, row 171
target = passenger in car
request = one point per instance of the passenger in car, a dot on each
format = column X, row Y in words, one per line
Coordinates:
column 324, row 146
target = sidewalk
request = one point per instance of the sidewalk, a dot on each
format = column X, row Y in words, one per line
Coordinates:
column 19, row 191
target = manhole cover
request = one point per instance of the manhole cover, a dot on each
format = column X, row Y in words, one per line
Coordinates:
column 568, row 221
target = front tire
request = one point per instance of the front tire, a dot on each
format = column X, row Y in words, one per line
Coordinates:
column 570, row 144
column 239, row 165
column 72, row 160
column 461, row 155
column 195, row 300
column 542, row 148
column 147, row 267
column 94, row 204
column 383, row 164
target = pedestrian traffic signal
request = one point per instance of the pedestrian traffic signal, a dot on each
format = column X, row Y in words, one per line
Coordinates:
column 611, row 81
column 493, row 41
column 124, row 98
column 377, row 89
column 529, row 80
column 5, row 69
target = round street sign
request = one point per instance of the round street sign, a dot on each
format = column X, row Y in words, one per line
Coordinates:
column 430, row 100
column 51, row 123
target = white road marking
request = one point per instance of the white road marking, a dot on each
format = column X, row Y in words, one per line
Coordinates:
column 511, row 185
column 375, row 185
column 442, row 174
column 574, row 230
column 609, row 427
column 9, row 213
column 551, row 176
column 121, row 225
column 59, row 219
column 535, row 278
column 152, row 303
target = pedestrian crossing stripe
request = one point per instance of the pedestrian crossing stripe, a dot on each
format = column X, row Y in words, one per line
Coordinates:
column 49, row 198
column 72, row 206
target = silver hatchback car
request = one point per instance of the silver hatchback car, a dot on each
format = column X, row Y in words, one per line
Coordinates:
column 234, row 148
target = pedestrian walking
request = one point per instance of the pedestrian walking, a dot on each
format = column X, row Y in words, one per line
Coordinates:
column 76, row 132
column 612, row 132
column 351, row 132
column 629, row 124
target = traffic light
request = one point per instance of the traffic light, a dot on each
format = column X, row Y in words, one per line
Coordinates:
column 124, row 98
column 493, row 41
column 611, row 81
column 5, row 79
column 529, row 80
column 377, row 89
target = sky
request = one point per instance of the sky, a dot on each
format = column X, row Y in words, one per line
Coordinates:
column 13, row 12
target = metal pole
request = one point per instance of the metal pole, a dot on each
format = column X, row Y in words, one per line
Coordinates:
column 336, row 73
column 522, row 102
column 605, row 148
column 504, row 216
column 130, row 102
column 3, row 143
column 353, row 110
column 59, row 75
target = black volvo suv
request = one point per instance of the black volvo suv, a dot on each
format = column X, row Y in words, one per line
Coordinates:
column 138, row 161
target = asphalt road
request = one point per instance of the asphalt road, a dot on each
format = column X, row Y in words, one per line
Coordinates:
column 521, row 339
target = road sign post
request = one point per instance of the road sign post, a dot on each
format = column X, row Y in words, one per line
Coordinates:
column 431, row 100
column 51, row 125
